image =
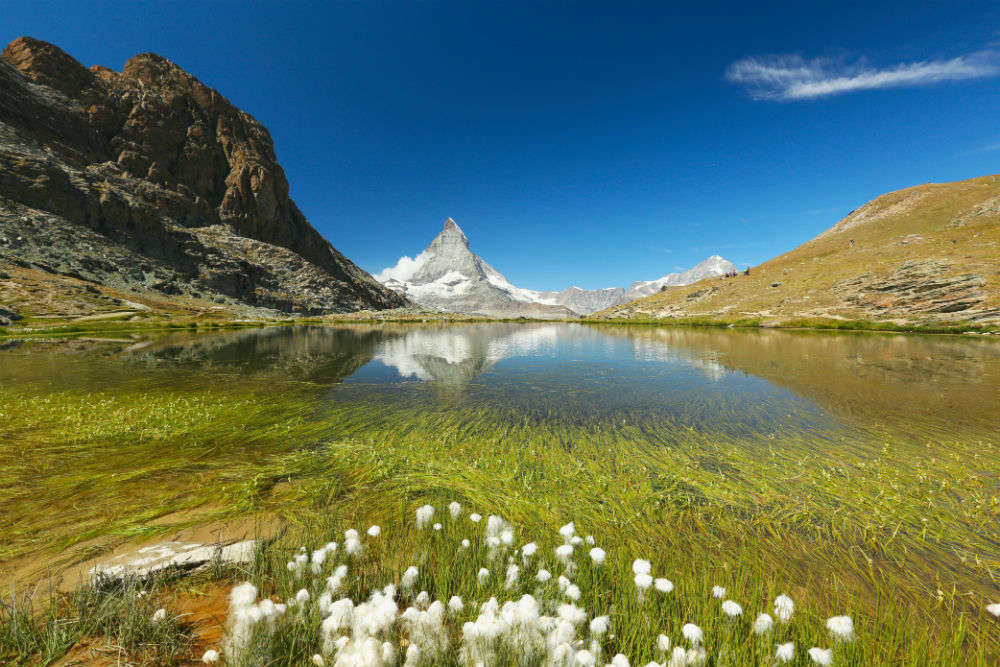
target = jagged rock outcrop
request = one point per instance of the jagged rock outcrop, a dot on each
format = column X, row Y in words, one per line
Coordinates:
column 8, row 317
column 148, row 179
column 919, row 286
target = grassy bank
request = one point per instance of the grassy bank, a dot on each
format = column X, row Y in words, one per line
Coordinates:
column 896, row 527
column 819, row 324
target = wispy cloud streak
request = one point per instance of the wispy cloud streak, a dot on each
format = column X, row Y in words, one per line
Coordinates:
column 792, row 77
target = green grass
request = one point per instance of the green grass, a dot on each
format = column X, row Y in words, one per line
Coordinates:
column 895, row 524
column 809, row 323
column 115, row 617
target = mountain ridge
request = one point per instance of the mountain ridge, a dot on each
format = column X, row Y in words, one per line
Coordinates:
column 447, row 275
column 148, row 181
column 918, row 256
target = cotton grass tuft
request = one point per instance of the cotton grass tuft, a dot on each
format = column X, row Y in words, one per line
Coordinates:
column 821, row 656
column 841, row 628
column 785, row 652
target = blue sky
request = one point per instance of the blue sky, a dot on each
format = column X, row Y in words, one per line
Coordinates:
column 580, row 143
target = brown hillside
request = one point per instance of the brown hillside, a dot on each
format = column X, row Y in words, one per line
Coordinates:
column 925, row 254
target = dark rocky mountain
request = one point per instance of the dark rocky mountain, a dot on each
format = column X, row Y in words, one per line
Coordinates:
column 147, row 180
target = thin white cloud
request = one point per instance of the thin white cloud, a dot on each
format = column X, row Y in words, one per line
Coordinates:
column 988, row 148
column 792, row 77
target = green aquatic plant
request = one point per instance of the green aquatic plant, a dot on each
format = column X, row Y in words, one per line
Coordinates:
column 891, row 517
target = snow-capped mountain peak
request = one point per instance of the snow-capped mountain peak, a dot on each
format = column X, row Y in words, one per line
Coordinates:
column 449, row 276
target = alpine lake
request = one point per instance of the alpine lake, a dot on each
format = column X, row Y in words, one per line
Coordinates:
column 859, row 473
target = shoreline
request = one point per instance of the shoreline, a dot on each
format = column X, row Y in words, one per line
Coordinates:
column 32, row 329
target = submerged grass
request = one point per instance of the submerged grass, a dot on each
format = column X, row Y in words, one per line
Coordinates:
column 894, row 524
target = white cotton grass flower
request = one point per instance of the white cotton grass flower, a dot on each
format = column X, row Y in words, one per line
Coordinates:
column 159, row 615
column 619, row 661
column 466, row 544
column 763, row 624
column 785, row 652
column 436, row 526
column 243, row 595
column 302, row 597
column 543, row 576
column 454, row 509
column 783, row 608
column 318, row 660
column 245, row 615
column 718, row 592
column 336, row 580
column 494, row 526
column 412, row 656
column 695, row 656
column 640, row 566
column 678, row 658
column 475, row 517
column 731, row 609
column 642, row 583
column 584, row 658
column 316, row 561
column 821, row 656
column 528, row 550
column 599, row 625
column 564, row 552
column 298, row 563
column 663, row 585
column 455, row 605
column 576, row 540
column 210, row 656
column 598, row 556
column 513, row 572
column 841, row 628
column 994, row 609
column 568, row 531
column 571, row 613
column 572, row 592
column 663, row 644
column 374, row 531
column 352, row 544
column 409, row 577
column 692, row 633
column 424, row 514
column 482, row 576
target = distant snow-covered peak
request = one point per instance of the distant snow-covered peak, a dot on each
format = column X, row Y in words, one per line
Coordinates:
column 448, row 275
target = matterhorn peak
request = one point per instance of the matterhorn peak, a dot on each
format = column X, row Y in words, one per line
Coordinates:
column 451, row 227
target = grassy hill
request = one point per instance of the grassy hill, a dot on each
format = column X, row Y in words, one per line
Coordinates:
column 921, row 256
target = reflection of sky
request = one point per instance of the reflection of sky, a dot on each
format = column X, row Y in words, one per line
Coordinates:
column 422, row 354
column 574, row 370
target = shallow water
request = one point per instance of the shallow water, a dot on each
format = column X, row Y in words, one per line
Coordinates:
column 741, row 381
column 652, row 385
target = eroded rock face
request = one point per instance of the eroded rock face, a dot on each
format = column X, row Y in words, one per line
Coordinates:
column 8, row 317
column 919, row 286
column 150, row 180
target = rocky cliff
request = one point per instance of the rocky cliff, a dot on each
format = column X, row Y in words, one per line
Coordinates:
column 149, row 181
